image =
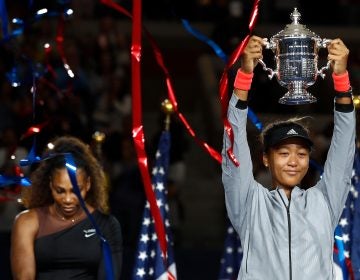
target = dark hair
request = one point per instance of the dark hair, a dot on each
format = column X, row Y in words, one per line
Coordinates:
column 276, row 132
column 39, row 194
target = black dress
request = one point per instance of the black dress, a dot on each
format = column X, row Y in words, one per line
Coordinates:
column 75, row 252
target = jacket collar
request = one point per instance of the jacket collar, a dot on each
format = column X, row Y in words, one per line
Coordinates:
column 296, row 192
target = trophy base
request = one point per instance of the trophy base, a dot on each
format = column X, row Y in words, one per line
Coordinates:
column 297, row 98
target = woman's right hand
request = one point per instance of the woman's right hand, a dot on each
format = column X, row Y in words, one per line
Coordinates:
column 252, row 53
column 338, row 55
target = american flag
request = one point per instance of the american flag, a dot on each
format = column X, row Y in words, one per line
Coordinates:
column 150, row 263
column 347, row 238
column 347, row 234
column 232, row 255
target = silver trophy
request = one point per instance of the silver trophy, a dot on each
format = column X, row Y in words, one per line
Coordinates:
column 296, row 56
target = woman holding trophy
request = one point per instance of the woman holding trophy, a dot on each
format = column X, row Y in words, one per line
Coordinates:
column 288, row 232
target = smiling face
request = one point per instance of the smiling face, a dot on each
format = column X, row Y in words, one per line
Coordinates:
column 288, row 163
column 65, row 200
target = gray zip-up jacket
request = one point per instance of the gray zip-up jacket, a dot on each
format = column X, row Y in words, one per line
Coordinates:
column 284, row 239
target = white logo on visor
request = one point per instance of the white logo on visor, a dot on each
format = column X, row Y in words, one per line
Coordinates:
column 89, row 232
column 292, row 132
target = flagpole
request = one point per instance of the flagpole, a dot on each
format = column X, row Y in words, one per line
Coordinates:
column 168, row 109
column 152, row 262
column 98, row 138
column 356, row 101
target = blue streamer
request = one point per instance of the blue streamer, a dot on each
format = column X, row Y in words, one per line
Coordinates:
column 341, row 251
column 13, row 77
column 220, row 53
column 31, row 158
column 14, row 180
column 254, row 119
column 4, row 19
column 71, row 168
column 40, row 14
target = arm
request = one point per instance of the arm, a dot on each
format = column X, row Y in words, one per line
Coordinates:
column 113, row 235
column 239, row 181
column 338, row 55
column 22, row 246
column 336, row 179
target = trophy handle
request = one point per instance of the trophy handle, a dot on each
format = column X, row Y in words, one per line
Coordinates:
column 267, row 69
column 323, row 44
column 268, row 45
column 323, row 69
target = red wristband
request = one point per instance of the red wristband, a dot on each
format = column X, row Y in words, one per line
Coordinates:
column 341, row 82
column 243, row 80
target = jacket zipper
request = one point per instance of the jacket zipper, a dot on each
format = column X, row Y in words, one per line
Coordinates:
column 247, row 256
column 289, row 226
column 289, row 233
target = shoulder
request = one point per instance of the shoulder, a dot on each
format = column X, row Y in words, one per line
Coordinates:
column 27, row 221
column 27, row 216
column 106, row 219
column 108, row 224
column 314, row 192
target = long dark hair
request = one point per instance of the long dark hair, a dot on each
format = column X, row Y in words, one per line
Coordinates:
column 39, row 194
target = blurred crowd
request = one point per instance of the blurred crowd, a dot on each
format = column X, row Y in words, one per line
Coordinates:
column 335, row 12
column 37, row 90
column 77, row 87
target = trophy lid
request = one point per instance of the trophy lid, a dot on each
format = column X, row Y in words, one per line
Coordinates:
column 295, row 29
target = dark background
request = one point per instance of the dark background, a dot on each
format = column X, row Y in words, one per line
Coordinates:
column 97, row 42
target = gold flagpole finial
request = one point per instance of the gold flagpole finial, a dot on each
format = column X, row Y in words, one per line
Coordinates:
column 168, row 109
column 356, row 101
column 98, row 138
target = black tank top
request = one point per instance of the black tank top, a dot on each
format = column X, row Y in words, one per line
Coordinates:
column 74, row 252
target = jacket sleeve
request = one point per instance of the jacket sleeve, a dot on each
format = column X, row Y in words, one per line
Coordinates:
column 112, row 233
column 336, row 179
column 238, row 181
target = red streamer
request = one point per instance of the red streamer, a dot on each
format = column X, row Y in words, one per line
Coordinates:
column 47, row 48
column 51, row 85
column 138, row 133
column 60, row 38
column 34, row 130
column 347, row 263
column 170, row 89
column 224, row 82
column 171, row 94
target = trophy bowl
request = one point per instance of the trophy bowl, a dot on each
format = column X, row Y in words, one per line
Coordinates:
column 296, row 58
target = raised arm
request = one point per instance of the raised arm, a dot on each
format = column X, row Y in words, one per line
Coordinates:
column 239, row 181
column 248, row 60
column 338, row 55
column 22, row 246
column 336, row 179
